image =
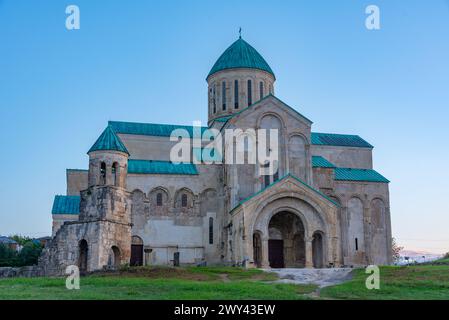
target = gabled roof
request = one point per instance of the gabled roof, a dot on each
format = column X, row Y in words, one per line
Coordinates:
column 277, row 182
column 320, row 162
column 108, row 140
column 66, row 205
column 150, row 129
column 344, row 140
column 240, row 55
column 367, row 175
column 229, row 117
column 160, row 167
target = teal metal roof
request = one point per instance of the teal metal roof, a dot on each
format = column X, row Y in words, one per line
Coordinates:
column 240, row 55
column 276, row 182
column 160, row 167
column 344, row 140
column 108, row 140
column 320, row 162
column 367, row 175
column 223, row 119
column 66, row 205
column 77, row 170
column 150, row 129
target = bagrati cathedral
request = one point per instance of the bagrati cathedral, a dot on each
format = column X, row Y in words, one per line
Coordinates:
column 324, row 206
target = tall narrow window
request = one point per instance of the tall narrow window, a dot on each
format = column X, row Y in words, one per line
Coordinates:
column 250, row 93
column 356, row 244
column 267, row 177
column 236, row 94
column 266, row 181
column 159, row 199
column 184, row 200
column 276, row 176
column 211, row 230
column 103, row 173
column 223, row 94
column 261, row 89
column 271, row 89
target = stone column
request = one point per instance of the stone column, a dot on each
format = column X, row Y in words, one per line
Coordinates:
column 108, row 180
column 265, row 261
column 309, row 255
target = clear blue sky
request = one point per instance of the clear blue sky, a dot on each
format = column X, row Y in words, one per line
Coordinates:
column 147, row 61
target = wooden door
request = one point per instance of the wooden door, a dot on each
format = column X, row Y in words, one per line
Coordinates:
column 276, row 253
column 136, row 255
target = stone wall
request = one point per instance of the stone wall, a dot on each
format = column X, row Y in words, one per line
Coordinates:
column 25, row 272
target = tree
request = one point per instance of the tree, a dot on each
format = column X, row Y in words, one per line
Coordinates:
column 8, row 256
column 21, row 240
column 396, row 250
column 29, row 254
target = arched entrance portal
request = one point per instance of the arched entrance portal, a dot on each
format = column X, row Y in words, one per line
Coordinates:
column 136, row 251
column 114, row 257
column 286, row 247
column 82, row 258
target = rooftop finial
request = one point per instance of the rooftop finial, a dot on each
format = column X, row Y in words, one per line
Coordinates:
column 240, row 33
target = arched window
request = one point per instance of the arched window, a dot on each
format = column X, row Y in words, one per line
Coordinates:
column 115, row 174
column 159, row 199
column 250, row 93
column 223, row 94
column 184, row 200
column 103, row 173
column 236, row 94
column 356, row 244
column 270, row 89
column 211, row 230
column 261, row 89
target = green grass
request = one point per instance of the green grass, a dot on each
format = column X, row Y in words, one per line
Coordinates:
column 408, row 282
column 159, row 283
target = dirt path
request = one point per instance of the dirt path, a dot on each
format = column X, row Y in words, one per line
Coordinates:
column 320, row 277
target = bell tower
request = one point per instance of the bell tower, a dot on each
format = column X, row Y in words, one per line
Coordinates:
column 106, row 204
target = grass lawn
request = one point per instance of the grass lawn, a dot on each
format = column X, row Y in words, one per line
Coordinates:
column 407, row 282
column 159, row 283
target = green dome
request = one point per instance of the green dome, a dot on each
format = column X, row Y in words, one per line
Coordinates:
column 240, row 55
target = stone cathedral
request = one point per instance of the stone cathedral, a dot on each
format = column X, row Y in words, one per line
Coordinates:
column 325, row 206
